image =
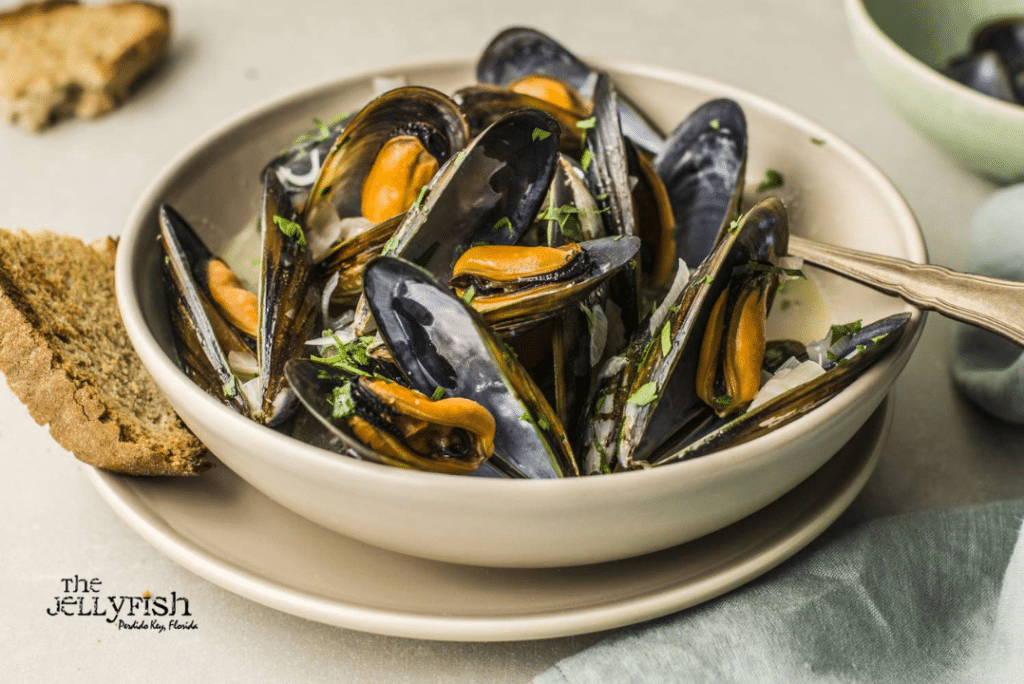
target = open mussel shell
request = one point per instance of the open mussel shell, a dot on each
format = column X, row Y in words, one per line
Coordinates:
column 733, row 349
column 529, row 305
column 608, row 175
column 384, row 422
column 203, row 337
column 482, row 105
column 649, row 393
column 288, row 304
column 702, row 167
column 439, row 342
column 423, row 114
column 517, row 52
column 787, row 407
column 490, row 193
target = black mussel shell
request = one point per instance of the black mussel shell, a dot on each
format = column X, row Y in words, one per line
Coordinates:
column 702, row 167
column 608, row 175
column 289, row 304
column 1006, row 38
column 653, row 393
column 438, row 342
column 490, row 193
column 517, row 52
column 787, row 407
column 984, row 72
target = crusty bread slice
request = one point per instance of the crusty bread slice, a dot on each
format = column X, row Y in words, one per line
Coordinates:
column 67, row 356
column 61, row 59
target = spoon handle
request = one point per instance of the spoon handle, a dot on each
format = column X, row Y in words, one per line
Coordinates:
column 989, row 303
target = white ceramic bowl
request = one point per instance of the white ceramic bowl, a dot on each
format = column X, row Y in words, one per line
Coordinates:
column 833, row 194
column 903, row 43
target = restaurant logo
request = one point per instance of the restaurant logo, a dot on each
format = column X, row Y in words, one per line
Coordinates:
column 82, row 597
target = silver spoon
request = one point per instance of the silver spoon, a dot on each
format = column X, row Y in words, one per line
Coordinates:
column 988, row 303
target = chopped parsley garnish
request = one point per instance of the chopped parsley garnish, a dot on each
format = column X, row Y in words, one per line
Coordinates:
column 350, row 357
column 420, row 197
column 390, row 246
column 300, row 139
column 540, row 134
column 438, row 394
column 341, row 402
column 706, row 280
column 734, row 225
column 505, row 222
column 666, row 338
column 838, row 332
column 418, row 204
column 459, row 158
column 541, row 421
column 568, row 219
column 602, row 197
column 817, row 141
column 590, row 316
column 876, row 340
column 468, row 295
column 325, row 132
column 772, row 356
column 338, row 119
column 722, row 401
column 785, row 304
column 167, row 260
column 229, row 389
column 772, row 179
column 291, row 229
column 586, row 124
column 775, row 270
column 714, row 124
column 645, row 395
column 586, row 159
column 861, row 348
column 605, row 467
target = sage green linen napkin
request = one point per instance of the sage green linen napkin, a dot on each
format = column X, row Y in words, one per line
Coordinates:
column 922, row 598
column 988, row 369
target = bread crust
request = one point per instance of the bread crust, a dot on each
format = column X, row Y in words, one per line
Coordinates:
column 83, row 417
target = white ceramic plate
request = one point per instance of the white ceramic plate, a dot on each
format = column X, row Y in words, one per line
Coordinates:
column 225, row 531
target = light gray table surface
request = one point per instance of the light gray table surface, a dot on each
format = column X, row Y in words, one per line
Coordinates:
column 83, row 178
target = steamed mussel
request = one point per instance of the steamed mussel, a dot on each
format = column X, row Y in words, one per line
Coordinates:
column 524, row 280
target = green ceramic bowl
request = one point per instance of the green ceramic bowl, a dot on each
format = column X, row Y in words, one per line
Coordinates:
column 903, row 42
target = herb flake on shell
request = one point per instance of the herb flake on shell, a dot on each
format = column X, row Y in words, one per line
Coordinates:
column 291, row 229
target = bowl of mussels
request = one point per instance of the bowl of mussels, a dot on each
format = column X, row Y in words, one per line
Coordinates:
column 521, row 310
